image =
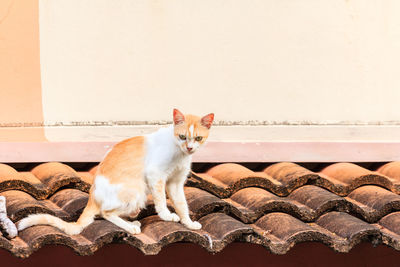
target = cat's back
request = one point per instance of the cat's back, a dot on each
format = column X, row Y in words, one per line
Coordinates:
column 124, row 159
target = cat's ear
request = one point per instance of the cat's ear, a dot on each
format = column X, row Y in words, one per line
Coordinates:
column 178, row 117
column 207, row 120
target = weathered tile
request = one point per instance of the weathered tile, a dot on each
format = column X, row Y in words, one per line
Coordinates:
column 225, row 179
column 342, row 178
column 290, row 175
column 279, row 232
column 373, row 202
column 56, row 175
column 350, row 228
column 251, row 203
column 278, row 207
column 201, row 202
column 392, row 170
column 165, row 233
column 10, row 179
column 390, row 228
column 72, row 201
column 21, row 204
column 221, row 229
column 102, row 232
column 318, row 200
column 40, row 235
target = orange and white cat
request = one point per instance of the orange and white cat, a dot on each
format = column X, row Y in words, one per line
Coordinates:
column 155, row 162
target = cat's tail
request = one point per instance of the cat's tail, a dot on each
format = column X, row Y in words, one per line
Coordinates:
column 70, row 228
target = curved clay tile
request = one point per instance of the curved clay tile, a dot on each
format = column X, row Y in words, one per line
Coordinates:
column 290, row 175
column 164, row 233
column 392, row 170
column 221, row 229
column 350, row 228
column 345, row 177
column 318, row 200
column 56, row 175
column 279, row 232
column 72, row 201
column 225, row 179
column 201, row 202
column 373, row 202
column 21, row 204
column 10, row 179
column 37, row 236
column 390, row 228
column 277, row 208
column 251, row 203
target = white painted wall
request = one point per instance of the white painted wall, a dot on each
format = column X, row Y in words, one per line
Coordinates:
column 318, row 61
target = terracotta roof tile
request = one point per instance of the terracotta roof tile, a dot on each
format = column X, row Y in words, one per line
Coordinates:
column 348, row 227
column 24, row 181
column 290, row 175
column 345, row 177
column 71, row 201
column 225, row 179
column 277, row 207
column 317, row 199
column 392, row 170
column 222, row 229
column 373, row 202
column 201, row 202
column 279, row 232
column 390, row 229
column 21, row 204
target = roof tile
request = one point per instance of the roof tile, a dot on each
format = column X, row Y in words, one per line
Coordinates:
column 280, row 231
column 201, row 202
column 373, row 202
column 251, row 203
column 318, row 200
column 20, row 204
column 347, row 226
column 390, row 229
column 345, row 177
column 56, row 175
column 72, row 201
column 290, row 175
column 284, row 204
column 25, row 181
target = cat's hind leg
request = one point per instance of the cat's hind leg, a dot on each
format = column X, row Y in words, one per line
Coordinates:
column 131, row 227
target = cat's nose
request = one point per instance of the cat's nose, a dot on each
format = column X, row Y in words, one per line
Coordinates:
column 189, row 148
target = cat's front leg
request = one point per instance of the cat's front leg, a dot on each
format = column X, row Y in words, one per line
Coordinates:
column 157, row 188
column 177, row 195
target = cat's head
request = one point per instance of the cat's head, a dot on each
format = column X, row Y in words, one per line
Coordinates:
column 191, row 131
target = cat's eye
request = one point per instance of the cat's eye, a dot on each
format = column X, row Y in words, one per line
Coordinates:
column 198, row 138
column 182, row 137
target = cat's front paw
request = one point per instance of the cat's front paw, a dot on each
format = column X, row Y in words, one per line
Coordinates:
column 137, row 223
column 134, row 229
column 192, row 225
column 169, row 216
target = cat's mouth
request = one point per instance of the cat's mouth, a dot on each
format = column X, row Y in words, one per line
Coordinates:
column 189, row 151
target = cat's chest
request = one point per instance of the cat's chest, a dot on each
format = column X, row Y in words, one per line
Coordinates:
column 170, row 167
column 165, row 159
column 176, row 166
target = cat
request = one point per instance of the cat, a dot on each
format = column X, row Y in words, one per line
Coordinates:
column 155, row 163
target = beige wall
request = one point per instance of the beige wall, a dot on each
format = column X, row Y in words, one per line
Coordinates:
column 321, row 61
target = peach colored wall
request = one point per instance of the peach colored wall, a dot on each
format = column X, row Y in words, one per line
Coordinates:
column 310, row 61
column 126, row 62
column 20, row 85
column 319, row 61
